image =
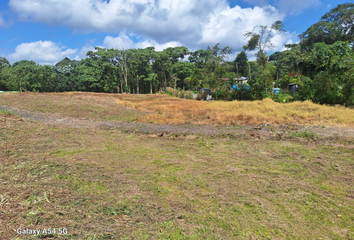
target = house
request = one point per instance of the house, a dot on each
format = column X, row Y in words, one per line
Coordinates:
column 238, row 81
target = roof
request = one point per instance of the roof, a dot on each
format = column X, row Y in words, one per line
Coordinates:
column 236, row 79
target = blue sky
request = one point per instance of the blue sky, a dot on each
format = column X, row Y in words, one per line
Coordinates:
column 46, row 31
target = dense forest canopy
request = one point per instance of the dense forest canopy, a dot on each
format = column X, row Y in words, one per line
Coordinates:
column 322, row 64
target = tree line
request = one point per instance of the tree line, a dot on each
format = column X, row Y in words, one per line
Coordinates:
column 322, row 64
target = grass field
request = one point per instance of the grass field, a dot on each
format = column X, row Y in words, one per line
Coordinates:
column 165, row 109
column 107, row 184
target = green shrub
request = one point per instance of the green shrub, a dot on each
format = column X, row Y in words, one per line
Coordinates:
column 224, row 93
column 202, row 96
column 306, row 134
column 189, row 95
column 179, row 93
column 282, row 98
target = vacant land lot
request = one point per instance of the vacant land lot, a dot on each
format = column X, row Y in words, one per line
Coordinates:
column 166, row 109
column 100, row 182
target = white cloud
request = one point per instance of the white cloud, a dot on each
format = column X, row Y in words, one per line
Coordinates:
column 42, row 52
column 280, row 40
column 83, row 51
column 120, row 42
column 229, row 25
column 160, row 19
column 124, row 42
column 159, row 23
column 192, row 23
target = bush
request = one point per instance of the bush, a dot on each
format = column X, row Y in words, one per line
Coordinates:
column 243, row 92
column 189, row 95
column 306, row 89
column 179, row 93
column 202, row 96
column 257, row 89
column 282, row 98
column 224, row 93
column 170, row 91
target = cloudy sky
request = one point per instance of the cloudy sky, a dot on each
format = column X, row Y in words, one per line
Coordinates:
column 46, row 31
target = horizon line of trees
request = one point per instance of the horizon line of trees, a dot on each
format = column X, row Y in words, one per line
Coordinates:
column 322, row 64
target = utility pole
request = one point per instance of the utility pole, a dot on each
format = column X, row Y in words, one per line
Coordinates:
column 249, row 69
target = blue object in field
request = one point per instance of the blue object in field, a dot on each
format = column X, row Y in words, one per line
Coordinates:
column 276, row 91
column 236, row 88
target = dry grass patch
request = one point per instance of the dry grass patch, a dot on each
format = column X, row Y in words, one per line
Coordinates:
column 181, row 111
column 157, row 108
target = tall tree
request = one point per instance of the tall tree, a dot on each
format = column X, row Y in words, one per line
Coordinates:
column 176, row 53
column 213, row 67
column 151, row 79
column 103, row 69
column 181, row 71
column 241, row 64
column 139, row 64
column 200, row 57
column 122, row 61
column 24, row 62
column 336, row 25
column 335, row 78
column 162, row 65
column 260, row 39
column 4, row 63
column 20, row 76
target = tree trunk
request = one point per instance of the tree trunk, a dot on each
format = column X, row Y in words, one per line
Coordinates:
column 137, row 85
column 175, row 78
column 150, row 87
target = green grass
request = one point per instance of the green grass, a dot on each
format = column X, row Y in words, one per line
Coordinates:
column 2, row 111
column 106, row 184
column 305, row 134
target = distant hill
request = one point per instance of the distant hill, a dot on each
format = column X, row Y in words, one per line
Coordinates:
column 66, row 61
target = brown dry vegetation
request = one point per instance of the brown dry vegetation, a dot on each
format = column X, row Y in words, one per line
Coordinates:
column 165, row 109
column 181, row 111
